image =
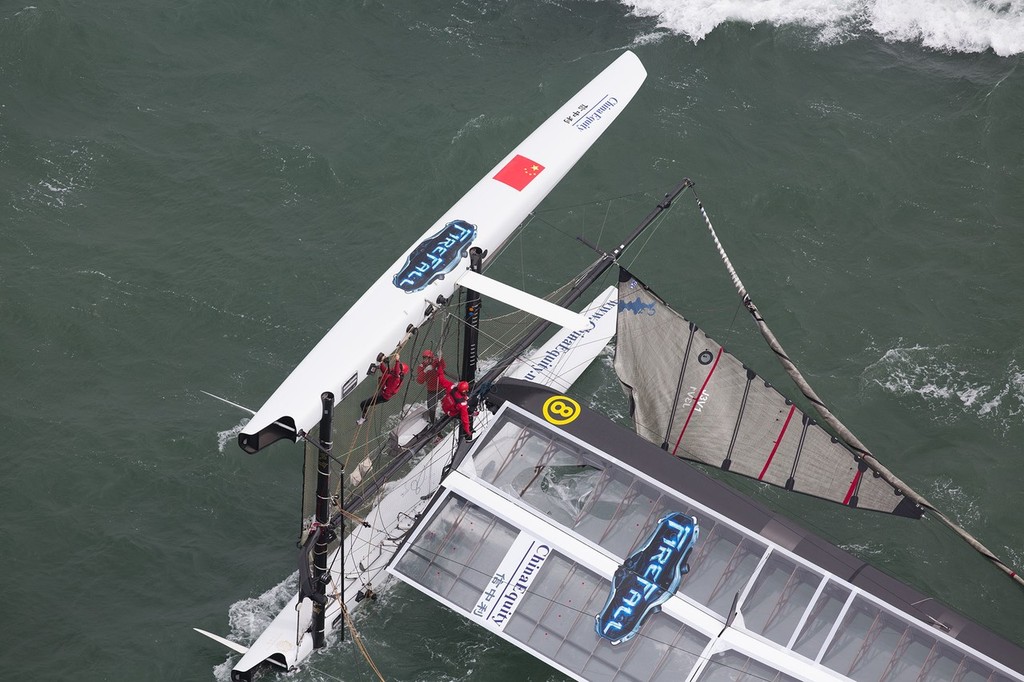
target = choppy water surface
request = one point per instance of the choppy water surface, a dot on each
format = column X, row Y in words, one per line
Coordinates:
column 192, row 192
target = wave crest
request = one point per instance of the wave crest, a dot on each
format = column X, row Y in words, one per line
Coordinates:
column 943, row 378
column 968, row 26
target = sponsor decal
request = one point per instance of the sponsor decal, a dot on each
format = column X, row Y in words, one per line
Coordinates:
column 435, row 257
column 567, row 342
column 648, row 578
column 702, row 399
column 596, row 112
column 519, row 172
column 576, row 113
column 705, row 357
column 511, row 581
column 560, row 410
column 636, row 306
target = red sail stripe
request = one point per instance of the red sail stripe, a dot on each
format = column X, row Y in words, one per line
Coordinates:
column 696, row 400
column 778, row 440
column 853, row 486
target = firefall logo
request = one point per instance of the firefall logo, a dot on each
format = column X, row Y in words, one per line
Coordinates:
column 435, row 257
column 560, row 410
column 648, row 578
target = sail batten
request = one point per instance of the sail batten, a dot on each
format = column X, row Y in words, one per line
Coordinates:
column 701, row 403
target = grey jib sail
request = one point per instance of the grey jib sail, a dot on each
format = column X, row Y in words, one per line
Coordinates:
column 701, row 403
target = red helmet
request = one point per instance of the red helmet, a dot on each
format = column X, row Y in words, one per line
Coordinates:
column 404, row 368
column 462, row 386
column 427, row 353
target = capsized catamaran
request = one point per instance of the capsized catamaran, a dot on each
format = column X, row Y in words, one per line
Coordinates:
column 405, row 308
column 593, row 549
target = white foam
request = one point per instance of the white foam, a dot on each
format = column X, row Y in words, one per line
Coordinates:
column 248, row 618
column 952, row 498
column 940, row 377
column 866, row 549
column 473, row 124
column 229, row 436
column 945, row 25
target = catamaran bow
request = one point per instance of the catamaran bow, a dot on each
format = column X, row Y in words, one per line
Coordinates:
column 485, row 218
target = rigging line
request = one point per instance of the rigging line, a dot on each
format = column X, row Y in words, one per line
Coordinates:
column 319, row 446
column 353, row 449
column 595, row 202
column 654, row 225
column 323, row 672
column 522, row 262
column 352, row 517
column 356, row 637
column 732, row 323
column 502, row 341
column 493, row 339
column 844, row 433
column 604, row 223
column 517, row 234
column 559, row 230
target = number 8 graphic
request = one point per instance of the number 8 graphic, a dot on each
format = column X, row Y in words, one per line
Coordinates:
column 560, row 410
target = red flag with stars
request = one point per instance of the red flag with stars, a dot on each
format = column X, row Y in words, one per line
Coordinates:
column 519, row 172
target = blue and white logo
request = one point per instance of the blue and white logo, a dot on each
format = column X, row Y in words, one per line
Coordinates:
column 648, row 578
column 636, row 306
column 435, row 257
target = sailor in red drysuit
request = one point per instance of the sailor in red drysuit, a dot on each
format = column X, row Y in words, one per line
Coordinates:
column 387, row 385
column 430, row 372
column 456, row 404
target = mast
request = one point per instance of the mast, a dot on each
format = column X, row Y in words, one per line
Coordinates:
column 471, row 332
column 323, row 518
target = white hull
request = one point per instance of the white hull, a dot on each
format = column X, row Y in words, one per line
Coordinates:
column 368, row 550
column 484, row 218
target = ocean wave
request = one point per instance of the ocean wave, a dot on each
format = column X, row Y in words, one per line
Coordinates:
column 951, row 497
column 61, row 173
column 248, row 618
column 939, row 377
column 967, row 26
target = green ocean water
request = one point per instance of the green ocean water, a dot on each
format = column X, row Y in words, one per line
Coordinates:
column 193, row 192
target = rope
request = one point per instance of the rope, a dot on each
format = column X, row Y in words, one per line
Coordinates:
column 826, row 414
column 352, row 517
column 356, row 636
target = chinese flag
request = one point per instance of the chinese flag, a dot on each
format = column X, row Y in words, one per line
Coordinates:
column 519, row 172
